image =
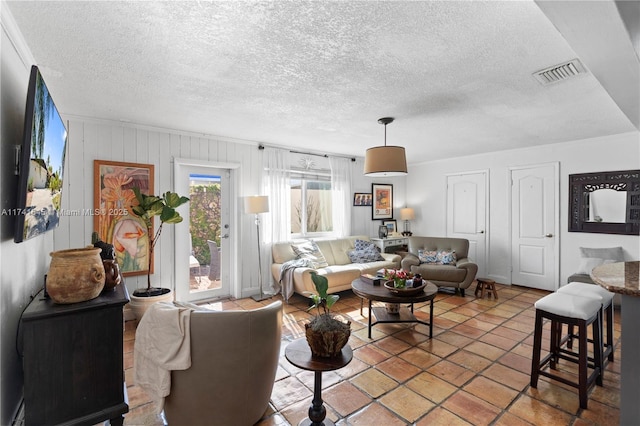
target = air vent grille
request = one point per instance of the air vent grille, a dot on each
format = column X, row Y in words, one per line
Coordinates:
column 560, row 72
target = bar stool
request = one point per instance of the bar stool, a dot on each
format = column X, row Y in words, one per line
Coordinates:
column 606, row 297
column 563, row 308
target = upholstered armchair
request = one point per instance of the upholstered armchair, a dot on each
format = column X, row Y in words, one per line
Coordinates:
column 423, row 259
column 234, row 357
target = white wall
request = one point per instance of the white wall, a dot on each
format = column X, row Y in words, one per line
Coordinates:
column 22, row 266
column 427, row 192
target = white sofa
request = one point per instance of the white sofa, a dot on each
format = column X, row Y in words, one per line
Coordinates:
column 340, row 272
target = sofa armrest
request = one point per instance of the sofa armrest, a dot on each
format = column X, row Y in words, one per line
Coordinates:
column 472, row 270
column 391, row 257
column 410, row 260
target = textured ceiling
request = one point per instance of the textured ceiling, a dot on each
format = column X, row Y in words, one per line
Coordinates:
column 457, row 76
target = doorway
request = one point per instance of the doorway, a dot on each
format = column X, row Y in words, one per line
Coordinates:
column 204, row 239
column 467, row 212
column 534, row 226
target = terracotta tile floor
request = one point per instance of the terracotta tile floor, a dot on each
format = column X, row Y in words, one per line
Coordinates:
column 475, row 370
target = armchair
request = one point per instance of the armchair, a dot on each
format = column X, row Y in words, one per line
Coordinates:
column 459, row 275
column 234, row 357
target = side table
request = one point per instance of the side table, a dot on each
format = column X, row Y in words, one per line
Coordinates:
column 299, row 354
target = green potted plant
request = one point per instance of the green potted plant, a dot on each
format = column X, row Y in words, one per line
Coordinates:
column 325, row 334
column 148, row 207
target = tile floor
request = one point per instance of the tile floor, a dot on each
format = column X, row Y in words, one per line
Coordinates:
column 475, row 369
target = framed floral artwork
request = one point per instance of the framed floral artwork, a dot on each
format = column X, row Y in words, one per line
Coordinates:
column 113, row 219
column 382, row 201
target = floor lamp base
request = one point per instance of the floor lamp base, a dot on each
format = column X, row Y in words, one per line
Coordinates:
column 261, row 296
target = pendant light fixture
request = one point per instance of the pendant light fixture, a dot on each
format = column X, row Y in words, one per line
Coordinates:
column 385, row 160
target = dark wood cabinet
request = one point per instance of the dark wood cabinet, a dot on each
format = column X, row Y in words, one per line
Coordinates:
column 72, row 360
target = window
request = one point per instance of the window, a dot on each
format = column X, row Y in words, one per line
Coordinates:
column 311, row 206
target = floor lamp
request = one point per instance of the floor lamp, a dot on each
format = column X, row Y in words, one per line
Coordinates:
column 258, row 204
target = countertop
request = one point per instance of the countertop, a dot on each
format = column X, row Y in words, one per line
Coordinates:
column 621, row 277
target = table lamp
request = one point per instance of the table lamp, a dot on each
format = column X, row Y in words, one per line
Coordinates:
column 257, row 204
column 407, row 214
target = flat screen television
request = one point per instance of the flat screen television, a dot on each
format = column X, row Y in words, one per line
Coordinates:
column 41, row 161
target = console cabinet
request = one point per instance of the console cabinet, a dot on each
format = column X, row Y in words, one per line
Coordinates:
column 72, row 360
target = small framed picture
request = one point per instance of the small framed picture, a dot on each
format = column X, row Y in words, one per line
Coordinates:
column 391, row 226
column 362, row 199
column 382, row 201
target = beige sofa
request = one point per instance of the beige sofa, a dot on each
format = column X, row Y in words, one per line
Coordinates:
column 459, row 276
column 340, row 272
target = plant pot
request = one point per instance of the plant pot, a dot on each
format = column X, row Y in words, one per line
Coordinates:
column 140, row 301
column 75, row 275
column 328, row 343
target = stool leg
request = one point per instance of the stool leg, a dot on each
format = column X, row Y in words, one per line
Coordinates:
column 598, row 362
column 478, row 286
column 583, row 364
column 609, row 314
column 495, row 292
column 570, row 336
column 537, row 347
column 554, row 343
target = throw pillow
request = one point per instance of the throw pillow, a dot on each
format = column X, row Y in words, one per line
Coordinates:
column 446, row 257
column 614, row 253
column 364, row 245
column 588, row 263
column 428, row 256
column 364, row 256
column 310, row 250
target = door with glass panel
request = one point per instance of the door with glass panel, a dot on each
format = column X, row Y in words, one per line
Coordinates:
column 202, row 266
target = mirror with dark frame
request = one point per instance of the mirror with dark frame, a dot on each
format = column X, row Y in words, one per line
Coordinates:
column 605, row 202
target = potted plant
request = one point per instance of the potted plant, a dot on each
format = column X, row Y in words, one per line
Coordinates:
column 325, row 334
column 148, row 207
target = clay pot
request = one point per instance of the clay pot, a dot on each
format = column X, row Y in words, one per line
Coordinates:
column 75, row 275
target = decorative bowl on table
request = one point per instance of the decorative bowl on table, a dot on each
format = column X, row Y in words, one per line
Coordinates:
column 406, row 291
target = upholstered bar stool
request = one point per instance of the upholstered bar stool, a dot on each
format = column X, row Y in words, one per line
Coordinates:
column 606, row 297
column 563, row 308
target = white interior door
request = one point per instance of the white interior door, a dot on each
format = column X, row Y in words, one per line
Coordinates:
column 467, row 212
column 534, row 225
column 204, row 238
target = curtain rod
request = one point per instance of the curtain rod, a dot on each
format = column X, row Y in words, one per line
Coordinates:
column 261, row 147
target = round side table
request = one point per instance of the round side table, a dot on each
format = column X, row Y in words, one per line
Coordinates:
column 299, row 354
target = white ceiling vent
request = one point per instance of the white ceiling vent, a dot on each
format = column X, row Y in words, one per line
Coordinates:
column 560, row 72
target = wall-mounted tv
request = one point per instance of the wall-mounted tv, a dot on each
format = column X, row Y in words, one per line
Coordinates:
column 41, row 166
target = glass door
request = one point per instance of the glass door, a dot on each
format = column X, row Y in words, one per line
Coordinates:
column 203, row 241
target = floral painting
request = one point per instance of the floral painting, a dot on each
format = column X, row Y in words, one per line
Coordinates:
column 382, row 201
column 114, row 220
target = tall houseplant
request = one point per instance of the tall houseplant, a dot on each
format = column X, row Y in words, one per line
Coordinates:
column 148, row 207
column 325, row 334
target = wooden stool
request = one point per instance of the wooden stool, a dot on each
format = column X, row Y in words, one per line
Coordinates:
column 606, row 298
column 563, row 308
column 486, row 284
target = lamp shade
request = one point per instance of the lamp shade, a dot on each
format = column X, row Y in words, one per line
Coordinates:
column 256, row 204
column 385, row 161
column 407, row 214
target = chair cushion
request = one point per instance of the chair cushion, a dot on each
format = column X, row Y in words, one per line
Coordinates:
column 588, row 263
column 428, row 256
column 583, row 289
column 309, row 250
column 447, row 257
column 614, row 253
column 569, row 305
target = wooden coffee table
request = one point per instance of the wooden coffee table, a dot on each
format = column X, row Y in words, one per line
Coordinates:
column 379, row 293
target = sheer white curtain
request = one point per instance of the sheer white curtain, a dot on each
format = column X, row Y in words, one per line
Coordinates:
column 341, row 195
column 277, row 223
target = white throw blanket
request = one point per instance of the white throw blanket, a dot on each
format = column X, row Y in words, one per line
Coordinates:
column 286, row 275
column 163, row 343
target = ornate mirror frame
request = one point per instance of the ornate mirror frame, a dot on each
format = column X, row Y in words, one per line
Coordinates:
column 580, row 185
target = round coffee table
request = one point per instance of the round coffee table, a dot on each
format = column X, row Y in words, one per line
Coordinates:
column 379, row 293
column 299, row 354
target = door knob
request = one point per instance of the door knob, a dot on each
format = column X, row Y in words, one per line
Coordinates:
column 224, row 236
column 480, row 232
column 548, row 235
